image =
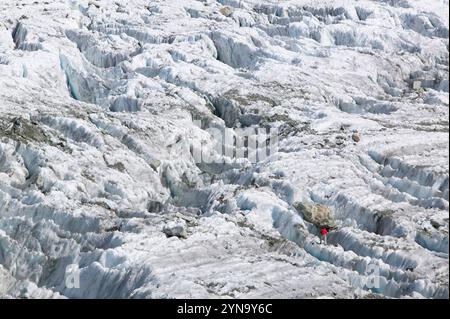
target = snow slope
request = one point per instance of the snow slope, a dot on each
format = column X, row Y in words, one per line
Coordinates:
column 98, row 108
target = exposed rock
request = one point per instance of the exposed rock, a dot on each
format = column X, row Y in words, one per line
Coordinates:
column 175, row 228
column 94, row 3
column 356, row 137
column 103, row 104
column 226, row 11
column 317, row 214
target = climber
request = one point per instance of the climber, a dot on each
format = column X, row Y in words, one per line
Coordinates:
column 323, row 235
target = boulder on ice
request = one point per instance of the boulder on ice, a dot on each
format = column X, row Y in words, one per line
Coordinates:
column 317, row 214
column 175, row 228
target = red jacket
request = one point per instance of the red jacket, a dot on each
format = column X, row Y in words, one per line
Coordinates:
column 323, row 231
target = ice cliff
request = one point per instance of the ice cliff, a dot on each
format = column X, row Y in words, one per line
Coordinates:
column 99, row 104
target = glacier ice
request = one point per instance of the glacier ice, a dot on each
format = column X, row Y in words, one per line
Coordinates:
column 100, row 105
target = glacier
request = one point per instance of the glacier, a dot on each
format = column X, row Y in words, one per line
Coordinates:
column 100, row 105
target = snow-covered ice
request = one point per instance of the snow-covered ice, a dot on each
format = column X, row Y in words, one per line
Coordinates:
column 99, row 109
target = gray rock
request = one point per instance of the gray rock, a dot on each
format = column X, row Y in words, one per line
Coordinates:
column 175, row 228
column 226, row 11
column 317, row 214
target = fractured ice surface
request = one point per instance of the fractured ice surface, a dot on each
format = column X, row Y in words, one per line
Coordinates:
column 99, row 109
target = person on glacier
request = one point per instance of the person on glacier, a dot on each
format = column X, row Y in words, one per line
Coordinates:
column 323, row 235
